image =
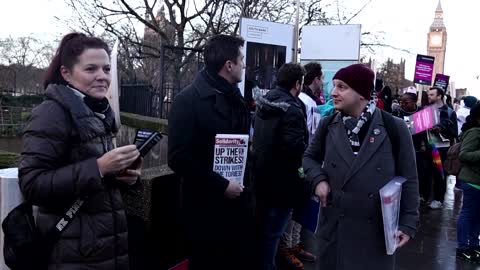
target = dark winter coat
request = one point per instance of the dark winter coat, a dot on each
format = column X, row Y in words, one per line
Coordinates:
column 448, row 123
column 279, row 141
column 61, row 144
column 351, row 234
column 470, row 156
column 199, row 112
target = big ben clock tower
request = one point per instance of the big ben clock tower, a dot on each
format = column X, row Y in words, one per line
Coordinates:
column 437, row 40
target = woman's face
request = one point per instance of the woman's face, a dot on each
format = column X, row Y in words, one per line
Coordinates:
column 91, row 74
column 407, row 103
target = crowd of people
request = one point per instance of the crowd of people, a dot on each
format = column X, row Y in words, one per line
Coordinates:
column 363, row 143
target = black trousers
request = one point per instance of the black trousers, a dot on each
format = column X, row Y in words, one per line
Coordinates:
column 424, row 171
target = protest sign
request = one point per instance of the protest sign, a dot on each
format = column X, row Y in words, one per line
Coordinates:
column 424, row 69
column 230, row 156
column 441, row 81
column 423, row 120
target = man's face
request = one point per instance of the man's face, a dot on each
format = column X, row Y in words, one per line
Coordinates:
column 319, row 82
column 344, row 97
column 237, row 67
column 433, row 96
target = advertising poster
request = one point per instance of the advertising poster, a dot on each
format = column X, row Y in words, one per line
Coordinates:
column 267, row 47
column 331, row 42
column 441, row 81
column 333, row 46
column 424, row 69
column 263, row 62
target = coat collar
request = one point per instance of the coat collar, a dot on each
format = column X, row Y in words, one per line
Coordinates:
column 203, row 88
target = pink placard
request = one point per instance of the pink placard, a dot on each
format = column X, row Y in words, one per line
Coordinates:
column 423, row 120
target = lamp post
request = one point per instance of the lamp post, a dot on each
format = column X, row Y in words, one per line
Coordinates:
column 296, row 33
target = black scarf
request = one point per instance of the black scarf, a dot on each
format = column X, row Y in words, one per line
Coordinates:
column 102, row 110
column 98, row 106
column 235, row 98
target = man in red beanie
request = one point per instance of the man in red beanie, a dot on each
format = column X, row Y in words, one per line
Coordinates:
column 353, row 155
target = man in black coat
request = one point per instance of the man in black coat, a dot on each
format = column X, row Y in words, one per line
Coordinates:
column 448, row 129
column 218, row 214
column 279, row 140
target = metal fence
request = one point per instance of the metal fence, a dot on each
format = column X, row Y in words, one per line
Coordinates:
column 12, row 120
column 179, row 67
column 140, row 99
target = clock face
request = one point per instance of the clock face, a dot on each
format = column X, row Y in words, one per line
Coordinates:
column 436, row 40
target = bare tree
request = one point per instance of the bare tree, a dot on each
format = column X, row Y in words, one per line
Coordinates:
column 22, row 63
column 180, row 23
column 25, row 51
column 144, row 27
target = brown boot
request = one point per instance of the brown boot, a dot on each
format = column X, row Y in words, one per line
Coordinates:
column 287, row 259
column 300, row 252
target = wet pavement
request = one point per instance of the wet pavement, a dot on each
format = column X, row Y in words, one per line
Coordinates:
column 434, row 246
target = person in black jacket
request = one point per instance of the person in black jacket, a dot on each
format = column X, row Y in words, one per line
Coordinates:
column 68, row 154
column 279, row 140
column 408, row 106
column 446, row 129
column 218, row 214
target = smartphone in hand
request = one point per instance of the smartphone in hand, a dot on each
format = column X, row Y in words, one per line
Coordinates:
column 145, row 140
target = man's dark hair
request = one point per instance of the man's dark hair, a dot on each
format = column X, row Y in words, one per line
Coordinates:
column 221, row 48
column 289, row 74
column 440, row 91
column 312, row 70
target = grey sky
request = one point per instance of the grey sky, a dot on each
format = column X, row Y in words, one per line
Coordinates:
column 404, row 24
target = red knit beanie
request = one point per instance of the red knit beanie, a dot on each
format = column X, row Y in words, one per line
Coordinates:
column 359, row 77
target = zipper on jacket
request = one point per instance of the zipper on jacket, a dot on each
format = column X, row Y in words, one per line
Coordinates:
column 106, row 148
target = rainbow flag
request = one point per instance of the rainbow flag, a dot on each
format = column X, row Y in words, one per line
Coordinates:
column 437, row 161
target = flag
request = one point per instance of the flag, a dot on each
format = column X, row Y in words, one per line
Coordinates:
column 437, row 161
column 112, row 94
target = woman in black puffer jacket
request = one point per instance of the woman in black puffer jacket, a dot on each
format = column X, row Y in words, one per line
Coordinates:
column 68, row 154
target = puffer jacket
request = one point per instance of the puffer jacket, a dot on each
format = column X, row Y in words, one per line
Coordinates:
column 61, row 144
column 280, row 137
column 470, row 156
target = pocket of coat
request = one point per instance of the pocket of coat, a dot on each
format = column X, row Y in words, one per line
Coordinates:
column 328, row 223
column 327, row 228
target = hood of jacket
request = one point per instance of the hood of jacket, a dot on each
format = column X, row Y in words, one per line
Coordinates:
column 277, row 101
column 89, row 125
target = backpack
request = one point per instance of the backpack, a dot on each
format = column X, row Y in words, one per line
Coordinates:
column 25, row 247
column 452, row 164
column 390, row 126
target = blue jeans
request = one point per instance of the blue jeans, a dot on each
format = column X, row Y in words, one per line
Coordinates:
column 274, row 221
column 468, row 225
